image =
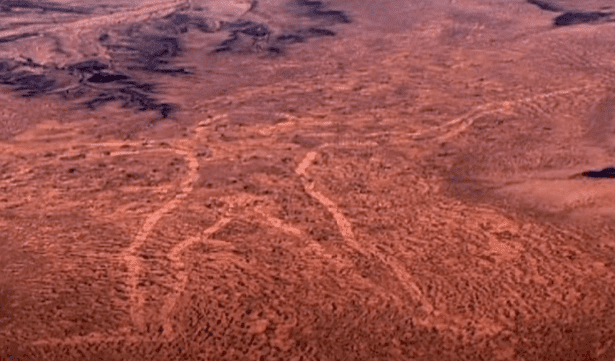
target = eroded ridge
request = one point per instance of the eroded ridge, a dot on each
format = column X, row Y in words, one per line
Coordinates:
column 345, row 228
column 131, row 255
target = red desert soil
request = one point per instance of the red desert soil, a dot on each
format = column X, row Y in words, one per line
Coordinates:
column 306, row 180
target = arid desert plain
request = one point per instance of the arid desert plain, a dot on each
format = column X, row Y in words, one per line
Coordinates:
column 307, row 180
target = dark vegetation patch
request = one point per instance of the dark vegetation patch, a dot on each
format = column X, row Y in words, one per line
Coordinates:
column 248, row 36
column 26, row 83
column 151, row 47
column 151, row 53
column 154, row 52
column 204, row 25
column 317, row 9
column 11, row 38
column 30, row 63
column 118, row 88
column 130, row 98
column 5, row 67
column 244, row 36
column 256, row 30
column 88, row 66
column 104, row 77
column 163, row 70
column 178, row 22
column 545, row 5
column 150, row 50
column 320, row 32
column 29, row 85
column 604, row 173
column 73, row 93
column 290, row 39
column 183, row 23
column 574, row 18
column 258, row 37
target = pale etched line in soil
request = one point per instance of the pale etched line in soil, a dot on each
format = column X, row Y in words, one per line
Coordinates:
column 305, row 163
column 130, row 254
column 279, row 224
column 345, row 228
column 131, row 257
column 182, row 274
column 466, row 120
column 293, row 231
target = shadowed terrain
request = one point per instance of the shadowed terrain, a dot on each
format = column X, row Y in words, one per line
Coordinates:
column 307, row 180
